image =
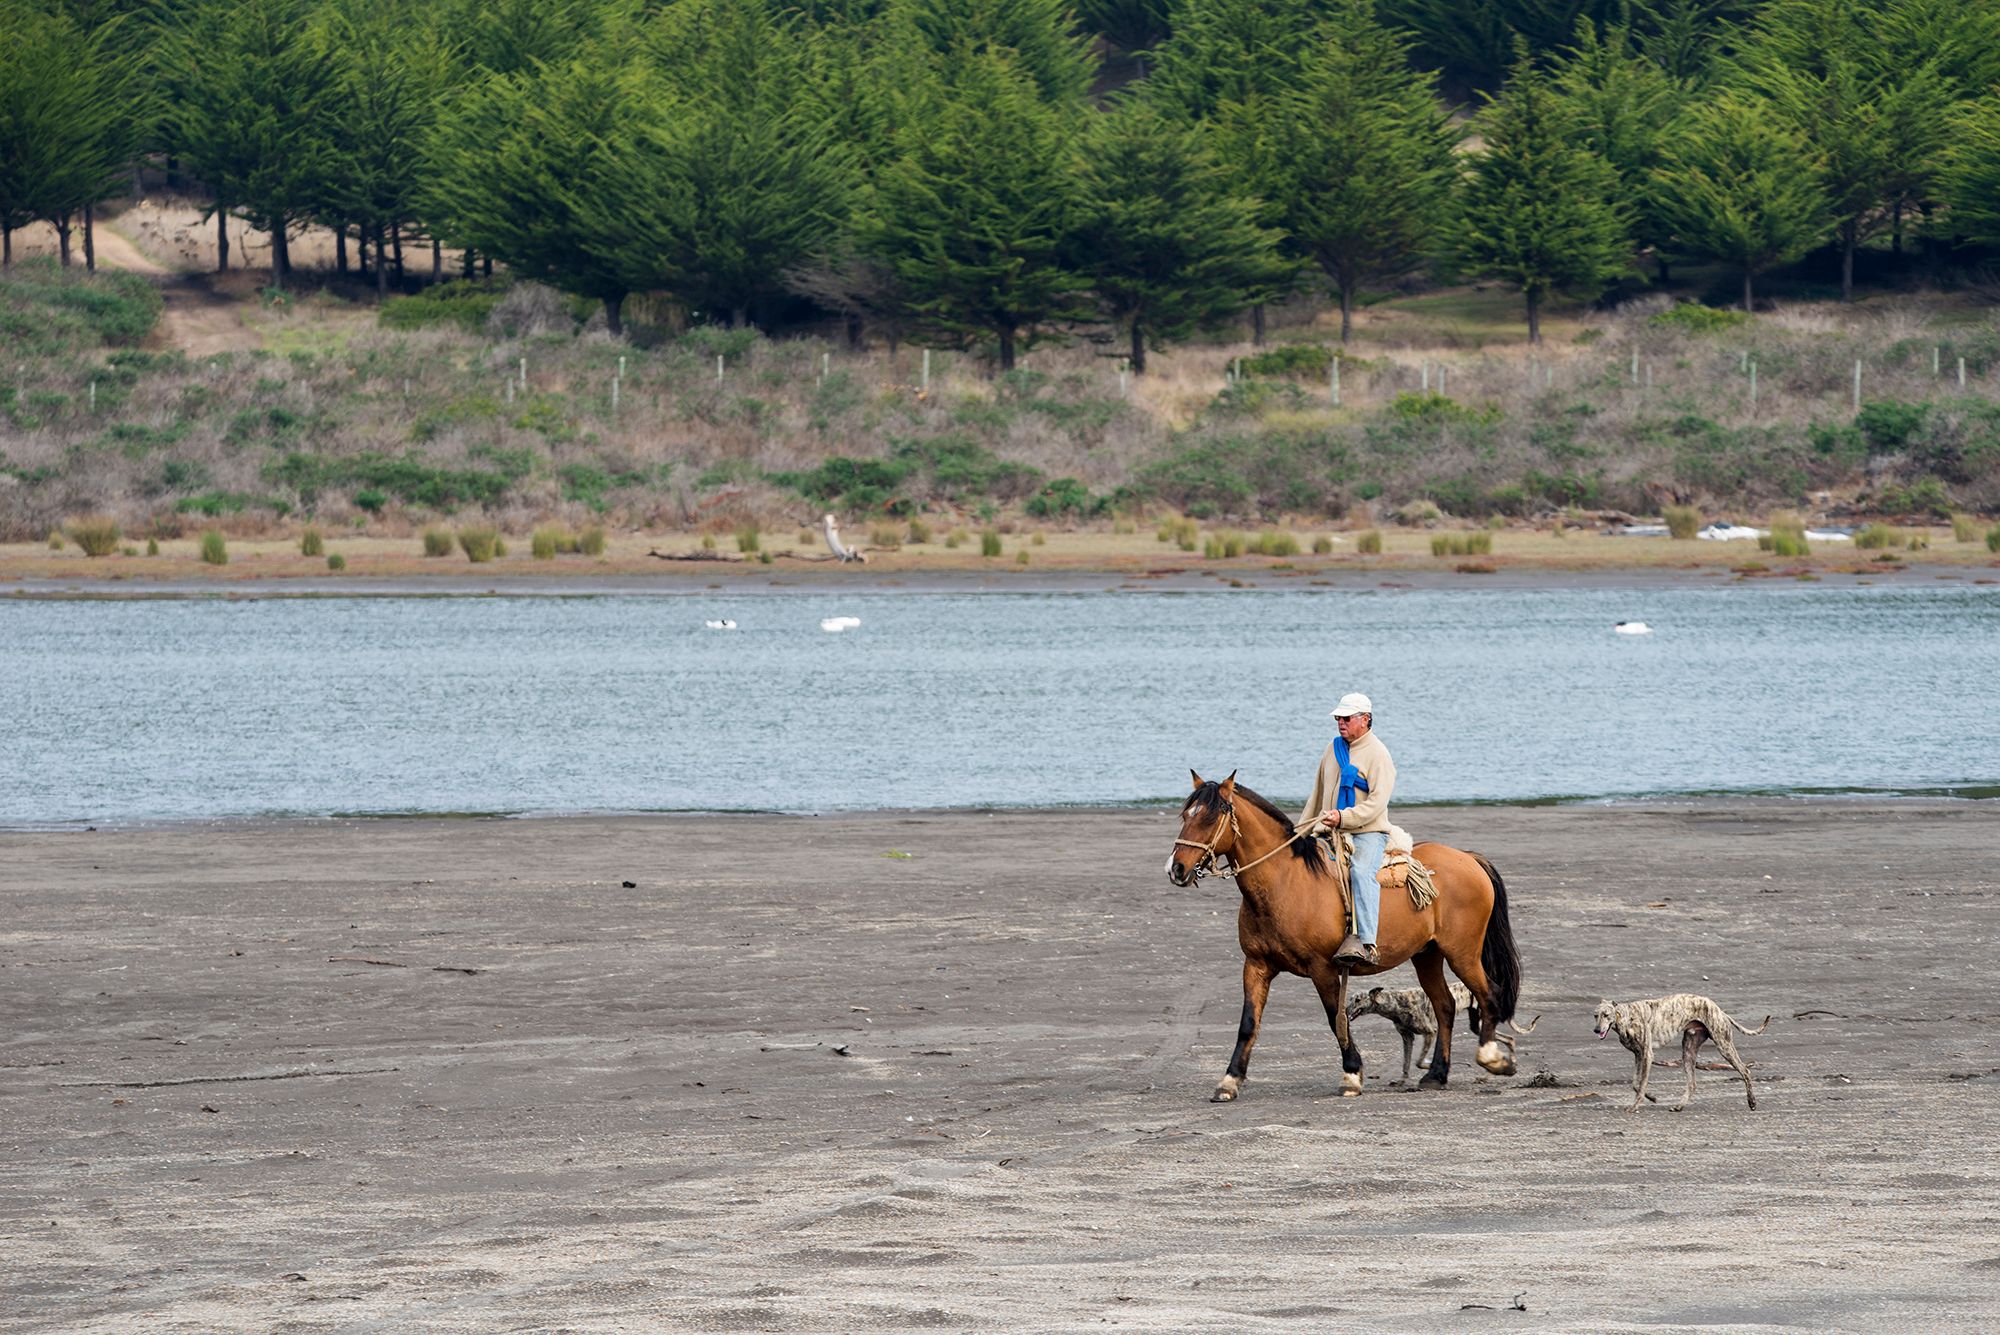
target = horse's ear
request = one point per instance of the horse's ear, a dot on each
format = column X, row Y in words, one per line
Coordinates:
column 1196, row 777
column 1229, row 786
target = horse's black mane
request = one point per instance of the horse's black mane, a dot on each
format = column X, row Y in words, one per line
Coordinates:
column 1207, row 799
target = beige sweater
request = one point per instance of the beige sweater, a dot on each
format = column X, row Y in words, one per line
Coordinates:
column 1371, row 809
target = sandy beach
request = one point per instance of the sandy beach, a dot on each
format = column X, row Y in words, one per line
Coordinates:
column 950, row 1071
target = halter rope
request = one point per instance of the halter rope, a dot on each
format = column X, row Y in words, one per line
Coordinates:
column 1206, row 866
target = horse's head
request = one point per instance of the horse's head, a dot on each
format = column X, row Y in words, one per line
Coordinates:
column 1208, row 828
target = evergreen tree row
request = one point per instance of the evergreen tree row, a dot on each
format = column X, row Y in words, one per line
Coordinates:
column 957, row 171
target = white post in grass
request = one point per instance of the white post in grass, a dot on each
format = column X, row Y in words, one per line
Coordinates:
column 1649, row 377
column 1121, row 379
column 614, row 395
column 1440, row 381
column 1549, row 378
column 524, row 375
column 925, row 386
column 1743, row 362
column 1961, row 373
column 1934, row 361
column 825, row 366
column 621, row 368
column 93, row 396
column 1427, row 377
column 1335, row 373
column 718, row 368
column 1857, row 384
column 1635, row 366
column 1753, row 388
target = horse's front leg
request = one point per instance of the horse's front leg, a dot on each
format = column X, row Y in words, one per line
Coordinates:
column 1429, row 964
column 1332, row 985
column 1256, row 990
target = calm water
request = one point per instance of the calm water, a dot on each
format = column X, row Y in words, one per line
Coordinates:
column 119, row 711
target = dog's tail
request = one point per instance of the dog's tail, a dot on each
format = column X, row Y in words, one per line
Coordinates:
column 1741, row 1028
column 1498, row 955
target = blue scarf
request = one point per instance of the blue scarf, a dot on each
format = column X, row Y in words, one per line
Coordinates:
column 1351, row 781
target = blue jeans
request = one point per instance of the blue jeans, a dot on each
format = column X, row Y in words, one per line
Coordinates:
column 1369, row 849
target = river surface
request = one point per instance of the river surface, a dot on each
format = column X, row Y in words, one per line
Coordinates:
column 116, row 711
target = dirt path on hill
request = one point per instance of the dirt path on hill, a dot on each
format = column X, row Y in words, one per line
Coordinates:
column 950, row 1071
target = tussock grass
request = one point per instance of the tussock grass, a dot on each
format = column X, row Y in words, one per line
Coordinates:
column 214, row 549
column 152, row 546
column 437, row 541
column 1322, row 545
column 1021, row 557
column 545, row 542
column 1877, row 536
column 335, row 561
column 888, row 536
column 1683, row 521
column 1463, row 544
column 591, row 541
column 748, row 539
column 953, row 540
column 96, row 535
column 1993, row 538
column 1964, row 527
column 1786, row 536
column 1369, row 543
column 312, row 542
column 1276, row 542
column 919, row 532
column 989, row 542
column 56, row 542
column 1038, row 538
column 1180, row 530
column 480, row 542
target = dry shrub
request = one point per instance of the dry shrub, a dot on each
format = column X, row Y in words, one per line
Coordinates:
column 1683, row 521
column 97, row 535
column 214, row 548
column 1369, row 543
column 437, row 541
column 481, row 543
column 591, row 541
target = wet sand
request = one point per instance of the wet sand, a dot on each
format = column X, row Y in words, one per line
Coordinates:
column 950, row 1071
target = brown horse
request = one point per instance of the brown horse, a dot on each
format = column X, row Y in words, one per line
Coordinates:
column 1294, row 914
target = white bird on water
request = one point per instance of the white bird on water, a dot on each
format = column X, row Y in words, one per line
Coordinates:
column 724, row 624
column 835, row 625
column 1632, row 628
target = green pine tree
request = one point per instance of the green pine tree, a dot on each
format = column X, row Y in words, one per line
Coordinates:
column 247, row 90
column 1622, row 104
column 1972, row 171
column 1541, row 211
column 1038, row 36
column 1166, row 243
column 1358, row 162
column 973, row 217
column 523, row 166
column 66, row 138
column 1737, row 185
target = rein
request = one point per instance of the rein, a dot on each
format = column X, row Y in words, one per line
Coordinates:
column 1207, row 867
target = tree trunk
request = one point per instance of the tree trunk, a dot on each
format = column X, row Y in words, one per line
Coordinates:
column 1346, row 310
column 854, row 333
column 1534, row 316
column 89, row 242
column 437, row 259
column 281, row 255
column 221, row 239
column 486, row 265
column 614, row 314
column 381, row 266
column 466, row 258
column 1257, row 324
column 6, row 247
column 340, row 250
column 1665, row 277
column 1850, row 240
column 1138, row 349
column 61, row 221
column 396, row 246
column 1896, row 230
column 1749, row 305
column 738, row 318
column 1006, row 348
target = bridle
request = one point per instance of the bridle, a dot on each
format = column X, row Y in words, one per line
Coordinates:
column 1205, row 865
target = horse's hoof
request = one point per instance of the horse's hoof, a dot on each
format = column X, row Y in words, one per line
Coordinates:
column 1226, row 1091
column 1350, row 1084
column 1428, row 1083
column 1494, row 1057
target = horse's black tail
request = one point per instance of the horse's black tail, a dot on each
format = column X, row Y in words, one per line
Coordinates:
column 1497, row 955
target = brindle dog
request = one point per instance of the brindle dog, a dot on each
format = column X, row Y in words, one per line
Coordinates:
column 1690, row 1019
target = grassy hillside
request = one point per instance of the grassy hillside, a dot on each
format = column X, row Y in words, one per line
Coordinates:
column 387, row 424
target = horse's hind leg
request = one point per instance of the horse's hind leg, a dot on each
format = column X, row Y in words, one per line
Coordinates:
column 1256, row 990
column 1429, row 964
column 1464, row 959
column 1332, row 986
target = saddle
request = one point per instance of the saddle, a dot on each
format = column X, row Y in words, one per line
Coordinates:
column 1400, row 868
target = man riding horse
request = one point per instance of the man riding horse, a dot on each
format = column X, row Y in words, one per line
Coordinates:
column 1351, row 796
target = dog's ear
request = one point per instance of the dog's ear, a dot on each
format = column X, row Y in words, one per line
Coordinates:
column 1374, row 992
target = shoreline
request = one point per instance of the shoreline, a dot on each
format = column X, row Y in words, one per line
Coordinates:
column 1943, row 796
column 735, row 579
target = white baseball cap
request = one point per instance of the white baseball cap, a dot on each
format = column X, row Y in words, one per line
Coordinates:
column 1354, row 702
